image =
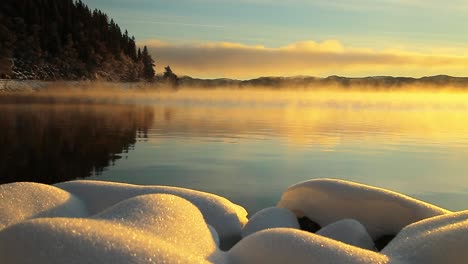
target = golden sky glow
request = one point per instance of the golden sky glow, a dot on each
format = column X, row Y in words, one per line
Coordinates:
column 330, row 57
column 251, row 38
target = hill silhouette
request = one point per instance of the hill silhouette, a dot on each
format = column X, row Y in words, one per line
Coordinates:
column 372, row 82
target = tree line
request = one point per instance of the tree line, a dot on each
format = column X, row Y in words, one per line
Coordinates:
column 53, row 40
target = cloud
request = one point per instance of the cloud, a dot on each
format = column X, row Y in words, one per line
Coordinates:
column 236, row 60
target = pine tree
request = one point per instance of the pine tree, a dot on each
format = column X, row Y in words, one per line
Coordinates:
column 169, row 77
column 46, row 39
column 148, row 65
column 7, row 38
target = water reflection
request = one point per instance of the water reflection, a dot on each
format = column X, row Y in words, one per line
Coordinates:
column 251, row 149
column 248, row 146
column 50, row 143
column 322, row 127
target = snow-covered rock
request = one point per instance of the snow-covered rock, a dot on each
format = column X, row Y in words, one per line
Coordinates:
column 226, row 217
column 271, row 217
column 285, row 245
column 168, row 217
column 381, row 211
column 348, row 231
column 24, row 200
column 442, row 239
column 103, row 222
column 146, row 229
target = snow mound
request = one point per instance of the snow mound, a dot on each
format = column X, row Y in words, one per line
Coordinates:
column 25, row 200
column 382, row 212
column 348, row 231
column 285, row 245
column 441, row 239
column 272, row 217
column 171, row 218
column 146, row 229
column 103, row 222
column 224, row 216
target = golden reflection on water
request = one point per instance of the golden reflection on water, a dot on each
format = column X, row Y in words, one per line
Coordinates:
column 415, row 142
column 412, row 141
column 324, row 119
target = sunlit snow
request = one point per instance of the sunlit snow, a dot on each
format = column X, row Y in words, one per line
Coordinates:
column 103, row 222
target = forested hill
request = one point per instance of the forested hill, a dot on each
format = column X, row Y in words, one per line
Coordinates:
column 66, row 40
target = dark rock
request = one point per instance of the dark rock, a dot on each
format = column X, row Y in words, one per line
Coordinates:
column 382, row 242
column 308, row 225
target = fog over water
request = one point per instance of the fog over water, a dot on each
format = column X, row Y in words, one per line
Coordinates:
column 245, row 144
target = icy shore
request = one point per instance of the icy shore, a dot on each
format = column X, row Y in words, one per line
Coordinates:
column 317, row 221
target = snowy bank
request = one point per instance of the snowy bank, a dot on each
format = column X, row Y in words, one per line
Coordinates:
column 225, row 217
column 105, row 222
column 381, row 211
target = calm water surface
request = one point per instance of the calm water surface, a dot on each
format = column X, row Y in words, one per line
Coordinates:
column 247, row 146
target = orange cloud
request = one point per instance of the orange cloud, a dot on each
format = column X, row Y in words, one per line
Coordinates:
column 236, row 60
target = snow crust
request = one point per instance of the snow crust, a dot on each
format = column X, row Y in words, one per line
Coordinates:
column 284, row 245
column 442, row 239
column 348, row 231
column 382, row 212
column 144, row 229
column 224, row 216
column 271, row 217
column 103, row 222
column 24, row 200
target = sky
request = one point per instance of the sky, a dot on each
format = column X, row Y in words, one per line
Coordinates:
column 251, row 38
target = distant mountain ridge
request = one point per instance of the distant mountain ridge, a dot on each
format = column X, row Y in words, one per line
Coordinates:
column 373, row 82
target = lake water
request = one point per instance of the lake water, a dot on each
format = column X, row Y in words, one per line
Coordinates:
column 248, row 146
